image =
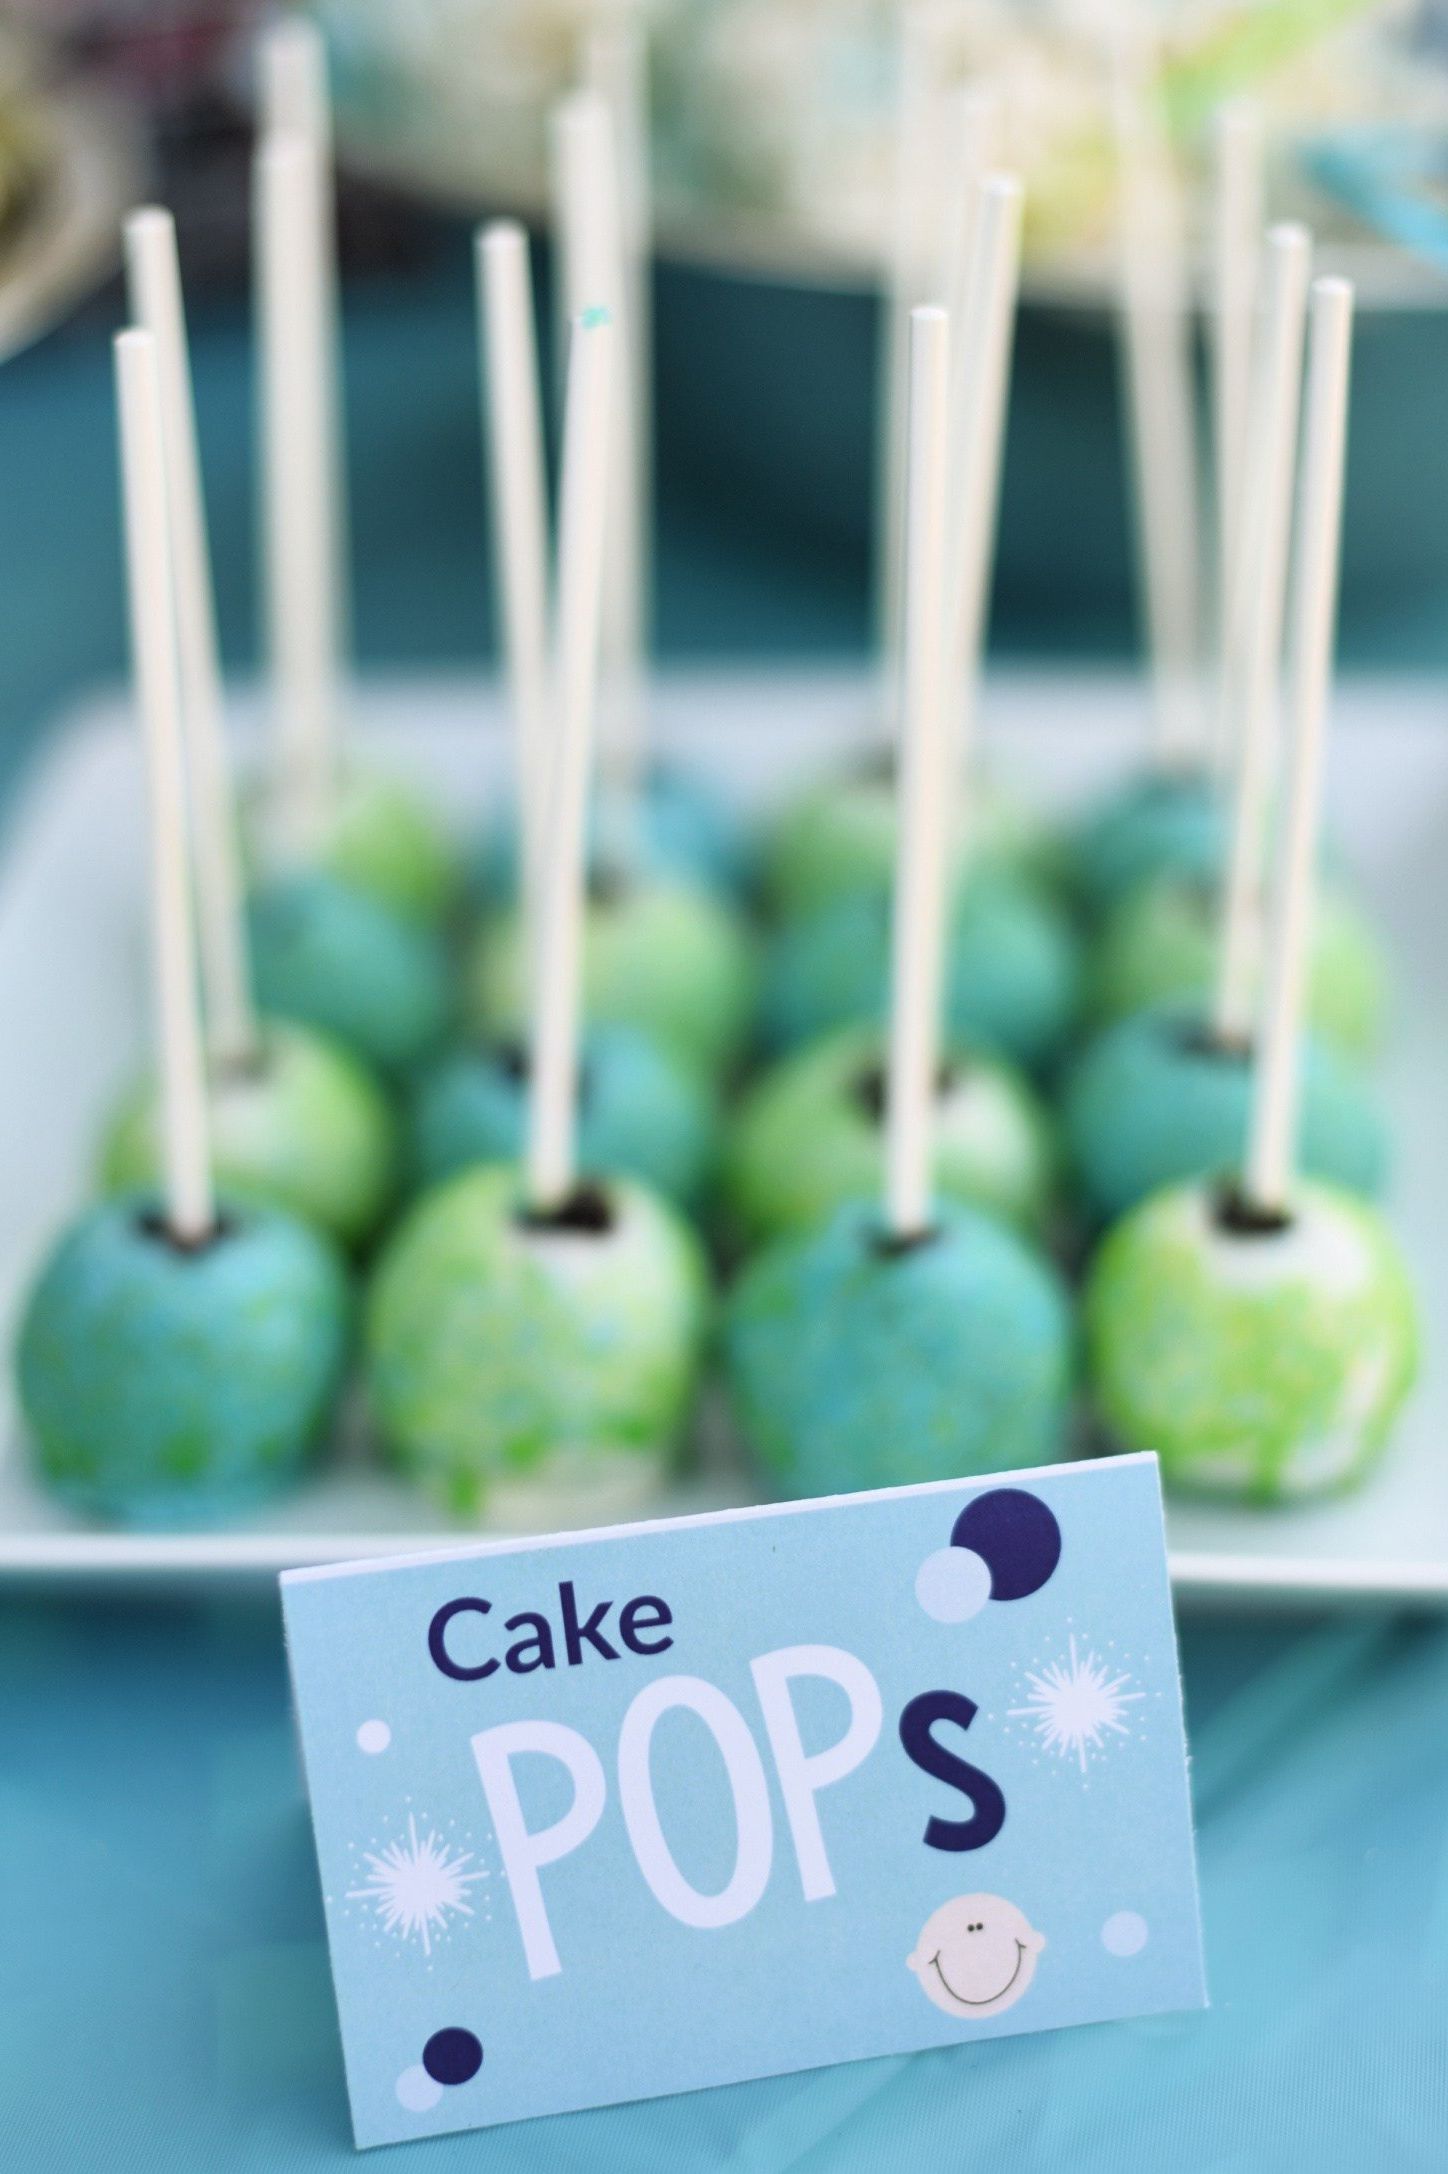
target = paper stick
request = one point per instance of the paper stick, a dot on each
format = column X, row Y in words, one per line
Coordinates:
column 1236, row 226
column 295, row 100
column 292, row 83
column 968, row 116
column 513, row 430
column 1156, row 361
column 588, row 447
column 154, row 289
column 1255, row 613
column 186, row 1166
column 590, row 229
column 616, row 65
column 1272, row 1136
column 919, row 910
column 299, row 560
column 981, row 376
column 912, row 259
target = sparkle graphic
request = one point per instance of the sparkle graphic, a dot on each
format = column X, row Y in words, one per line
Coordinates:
column 416, row 1885
column 1076, row 1704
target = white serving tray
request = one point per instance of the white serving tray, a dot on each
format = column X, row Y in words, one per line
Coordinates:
column 73, row 1006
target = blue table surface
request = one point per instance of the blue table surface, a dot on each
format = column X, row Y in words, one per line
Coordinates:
column 164, row 1997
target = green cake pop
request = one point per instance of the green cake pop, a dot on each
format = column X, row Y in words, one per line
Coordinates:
column 178, row 1359
column 1162, row 942
column 1163, row 1094
column 292, row 1119
column 925, row 1340
column 382, row 838
column 297, row 1122
column 839, row 838
column 1186, row 930
column 811, row 1135
column 665, row 958
column 533, row 1337
column 1261, row 1356
column 1262, row 1339
column 536, row 1366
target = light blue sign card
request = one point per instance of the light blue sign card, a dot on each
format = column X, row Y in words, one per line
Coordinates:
column 630, row 1812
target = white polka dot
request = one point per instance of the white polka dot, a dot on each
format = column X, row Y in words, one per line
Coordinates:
column 374, row 1736
column 1124, row 1933
column 953, row 1584
column 417, row 2091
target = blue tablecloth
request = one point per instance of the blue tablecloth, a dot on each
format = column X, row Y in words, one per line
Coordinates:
column 164, row 1998
column 165, row 2004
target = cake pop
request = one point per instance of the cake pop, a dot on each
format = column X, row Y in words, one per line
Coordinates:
column 810, row 1135
column 331, row 958
column 292, row 1119
column 930, row 1341
column 322, row 806
column 660, row 954
column 1261, row 1339
column 1161, row 1097
column 1164, row 1095
column 299, row 1124
column 1012, row 973
column 533, row 1337
column 178, row 1357
column 663, row 958
column 1162, row 940
column 838, row 839
column 639, row 1114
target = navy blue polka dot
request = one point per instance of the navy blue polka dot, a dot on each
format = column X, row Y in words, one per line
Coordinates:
column 1015, row 1535
column 452, row 2056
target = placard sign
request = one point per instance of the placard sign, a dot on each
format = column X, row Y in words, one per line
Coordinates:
column 635, row 1811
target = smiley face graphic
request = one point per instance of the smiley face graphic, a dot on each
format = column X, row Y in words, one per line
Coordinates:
column 976, row 1955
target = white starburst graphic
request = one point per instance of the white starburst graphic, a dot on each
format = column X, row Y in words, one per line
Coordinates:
column 1075, row 1705
column 416, row 1886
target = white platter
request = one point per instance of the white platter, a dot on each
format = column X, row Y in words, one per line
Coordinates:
column 72, row 1002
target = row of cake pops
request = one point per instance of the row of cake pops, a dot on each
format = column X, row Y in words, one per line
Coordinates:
column 533, row 1338
column 366, row 876
column 666, row 952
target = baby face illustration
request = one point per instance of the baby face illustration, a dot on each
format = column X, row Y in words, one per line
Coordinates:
column 976, row 1955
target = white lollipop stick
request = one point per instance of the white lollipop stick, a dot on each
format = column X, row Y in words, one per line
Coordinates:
column 1236, row 225
column 293, row 82
column 967, row 128
column 920, row 863
column 590, row 226
column 616, row 65
column 1256, row 602
column 299, row 559
column 295, row 100
column 982, row 375
column 186, row 1164
column 582, row 529
column 517, row 495
column 154, row 287
column 1272, row 1135
column 913, row 259
column 1157, row 367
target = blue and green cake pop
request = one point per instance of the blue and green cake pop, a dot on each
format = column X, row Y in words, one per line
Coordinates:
column 640, row 1114
column 179, row 1357
column 811, row 1135
column 908, row 1339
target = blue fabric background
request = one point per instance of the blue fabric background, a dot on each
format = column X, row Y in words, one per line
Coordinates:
column 164, row 1998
